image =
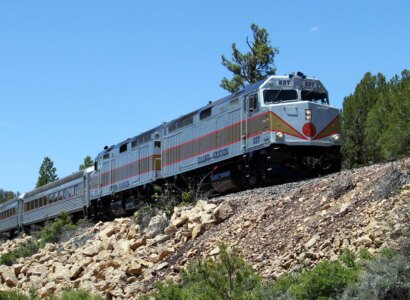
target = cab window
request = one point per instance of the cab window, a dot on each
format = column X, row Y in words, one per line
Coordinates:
column 275, row 96
column 314, row 96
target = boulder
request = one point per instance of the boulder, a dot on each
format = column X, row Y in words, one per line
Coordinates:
column 178, row 222
column 107, row 232
column 60, row 272
column 156, row 225
column 138, row 243
column 75, row 270
column 93, row 249
column 170, row 229
column 161, row 266
column 47, row 290
column 8, row 276
column 312, row 241
column 135, row 269
column 223, row 212
column 197, row 230
column 165, row 252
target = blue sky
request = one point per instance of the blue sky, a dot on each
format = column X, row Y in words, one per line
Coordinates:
column 78, row 75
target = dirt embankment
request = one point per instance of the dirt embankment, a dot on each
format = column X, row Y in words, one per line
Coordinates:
column 278, row 229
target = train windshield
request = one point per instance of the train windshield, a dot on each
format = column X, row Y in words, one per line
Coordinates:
column 274, row 96
column 314, row 96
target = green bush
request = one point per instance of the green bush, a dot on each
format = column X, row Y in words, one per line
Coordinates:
column 13, row 295
column 50, row 233
column 25, row 249
column 144, row 215
column 79, row 295
column 228, row 277
column 387, row 277
column 187, row 196
column 327, row 280
column 53, row 232
column 351, row 277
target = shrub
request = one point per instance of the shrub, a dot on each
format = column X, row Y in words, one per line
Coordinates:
column 228, row 277
column 326, row 280
column 387, row 277
column 67, row 295
column 79, row 295
column 49, row 234
column 25, row 249
column 13, row 295
column 54, row 232
column 188, row 196
column 143, row 215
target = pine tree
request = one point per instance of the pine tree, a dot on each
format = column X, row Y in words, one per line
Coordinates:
column 7, row 195
column 88, row 162
column 252, row 66
column 356, row 108
column 395, row 138
column 47, row 172
column 376, row 120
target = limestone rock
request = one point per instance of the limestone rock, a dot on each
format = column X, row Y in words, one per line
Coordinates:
column 312, row 241
column 161, row 266
column 107, row 232
column 170, row 229
column 8, row 276
column 196, row 231
column 93, row 249
column 178, row 222
column 138, row 243
column 135, row 269
column 223, row 212
column 156, row 225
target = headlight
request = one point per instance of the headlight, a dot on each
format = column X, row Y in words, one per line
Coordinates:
column 279, row 135
column 336, row 137
column 308, row 114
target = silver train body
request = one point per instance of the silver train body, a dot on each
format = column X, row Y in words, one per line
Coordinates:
column 280, row 127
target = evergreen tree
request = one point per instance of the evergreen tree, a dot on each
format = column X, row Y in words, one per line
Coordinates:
column 355, row 111
column 395, row 138
column 376, row 120
column 7, row 195
column 252, row 66
column 47, row 172
column 88, row 162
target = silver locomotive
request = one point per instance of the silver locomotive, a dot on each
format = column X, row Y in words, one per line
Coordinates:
column 280, row 128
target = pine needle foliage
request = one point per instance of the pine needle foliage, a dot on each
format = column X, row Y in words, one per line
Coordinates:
column 252, row 66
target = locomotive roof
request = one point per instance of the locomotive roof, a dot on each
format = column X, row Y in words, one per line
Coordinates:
column 112, row 147
column 55, row 183
column 246, row 90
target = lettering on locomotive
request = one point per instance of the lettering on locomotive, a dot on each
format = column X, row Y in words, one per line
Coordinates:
column 215, row 155
column 120, row 186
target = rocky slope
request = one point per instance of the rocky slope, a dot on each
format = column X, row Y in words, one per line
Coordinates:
column 277, row 229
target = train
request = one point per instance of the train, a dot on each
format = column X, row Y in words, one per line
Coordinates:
column 278, row 129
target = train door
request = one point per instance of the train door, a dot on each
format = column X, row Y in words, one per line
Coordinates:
column 249, row 128
column 105, row 174
column 20, row 212
column 144, row 163
column 98, row 178
column 257, row 122
column 113, row 173
column 244, row 124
